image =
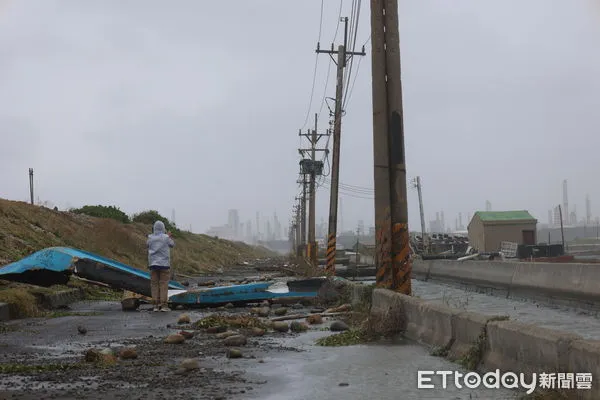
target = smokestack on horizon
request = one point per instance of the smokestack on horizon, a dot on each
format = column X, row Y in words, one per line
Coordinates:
column 565, row 211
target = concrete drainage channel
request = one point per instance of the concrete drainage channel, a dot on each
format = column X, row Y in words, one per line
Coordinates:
column 485, row 343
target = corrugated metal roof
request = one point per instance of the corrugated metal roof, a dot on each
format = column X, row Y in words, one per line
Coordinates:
column 521, row 215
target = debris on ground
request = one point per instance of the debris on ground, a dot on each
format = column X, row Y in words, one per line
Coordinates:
column 232, row 321
column 315, row 319
column 347, row 338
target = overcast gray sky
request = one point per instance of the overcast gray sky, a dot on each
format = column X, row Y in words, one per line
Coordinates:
column 195, row 105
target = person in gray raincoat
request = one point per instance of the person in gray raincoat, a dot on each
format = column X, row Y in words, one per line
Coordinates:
column 159, row 245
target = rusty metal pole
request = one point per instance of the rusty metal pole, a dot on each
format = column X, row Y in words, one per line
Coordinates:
column 391, row 208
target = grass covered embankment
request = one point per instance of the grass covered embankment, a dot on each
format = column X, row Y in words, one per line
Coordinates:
column 25, row 229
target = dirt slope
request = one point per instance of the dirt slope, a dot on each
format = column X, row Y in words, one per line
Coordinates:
column 25, row 229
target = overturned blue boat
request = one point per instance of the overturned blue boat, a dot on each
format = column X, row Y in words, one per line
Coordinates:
column 247, row 293
column 55, row 266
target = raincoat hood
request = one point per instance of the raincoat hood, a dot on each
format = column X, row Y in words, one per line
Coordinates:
column 159, row 227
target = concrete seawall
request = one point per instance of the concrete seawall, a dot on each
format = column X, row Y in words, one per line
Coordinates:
column 576, row 285
column 486, row 343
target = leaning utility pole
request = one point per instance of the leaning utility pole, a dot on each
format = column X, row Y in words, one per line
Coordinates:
column 391, row 209
column 31, row 184
column 313, row 168
column 417, row 185
column 342, row 59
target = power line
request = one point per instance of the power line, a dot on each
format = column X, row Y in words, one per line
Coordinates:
column 312, row 91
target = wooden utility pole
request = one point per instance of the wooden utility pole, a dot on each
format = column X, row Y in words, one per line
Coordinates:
column 417, row 185
column 31, row 184
column 391, row 209
column 342, row 58
column 313, row 168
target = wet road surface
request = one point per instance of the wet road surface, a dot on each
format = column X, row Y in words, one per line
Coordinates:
column 276, row 366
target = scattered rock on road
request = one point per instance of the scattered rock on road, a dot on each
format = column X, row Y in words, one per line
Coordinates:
column 234, row 353
column 280, row 311
column 258, row 331
column 190, row 364
column 128, row 354
column 236, row 340
column 297, row 306
column 314, row 319
column 280, row 326
column 338, row 326
column 229, row 305
column 298, row 327
column 82, row 330
column 174, row 339
column 264, row 312
column 184, row 319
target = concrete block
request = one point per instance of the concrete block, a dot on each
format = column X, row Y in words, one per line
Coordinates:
column 468, row 331
column 4, row 312
column 517, row 347
column 361, row 294
column 547, row 280
column 484, row 274
column 434, row 324
column 584, row 357
column 420, row 269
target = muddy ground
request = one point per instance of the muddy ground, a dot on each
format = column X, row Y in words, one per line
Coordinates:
column 44, row 357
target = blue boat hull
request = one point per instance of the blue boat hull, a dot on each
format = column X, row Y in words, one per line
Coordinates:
column 55, row 265
column 239, row 294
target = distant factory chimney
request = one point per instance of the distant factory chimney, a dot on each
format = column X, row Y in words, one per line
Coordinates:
column 565, row 211
column 460, row 225
column 588, row 210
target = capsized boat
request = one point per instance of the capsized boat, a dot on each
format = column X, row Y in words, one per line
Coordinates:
column 247, row 293
column 55, row 265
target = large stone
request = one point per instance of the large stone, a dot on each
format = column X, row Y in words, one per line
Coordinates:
column 280, row 311
column 234, row 353
column 338, row 326
column 236, row 340
column 184, row 319
column 264, row 312
column 280, row 326
column 298, row 327
column 258, row 331
column 174, row 339
column 315, row 319
column 190, row 364
column 128, row 354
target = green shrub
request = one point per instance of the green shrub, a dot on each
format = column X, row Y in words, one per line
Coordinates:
column 103, row 212
column 151, row 216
